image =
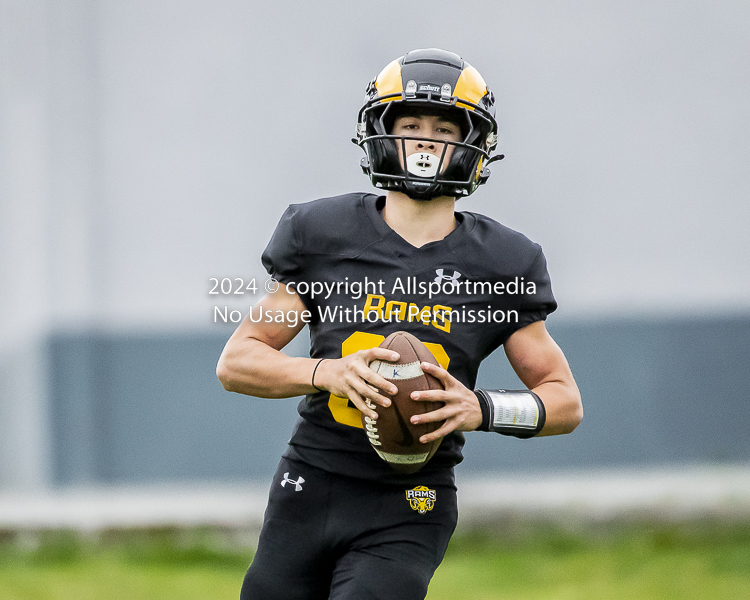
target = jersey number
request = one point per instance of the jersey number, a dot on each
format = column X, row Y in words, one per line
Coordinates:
column 342, row 409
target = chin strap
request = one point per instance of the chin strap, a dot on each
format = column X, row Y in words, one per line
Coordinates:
column 485, row 173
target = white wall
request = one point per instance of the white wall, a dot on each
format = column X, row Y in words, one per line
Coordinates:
column 624, row 124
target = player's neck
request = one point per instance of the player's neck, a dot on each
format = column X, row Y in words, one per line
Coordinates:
column 419, row 222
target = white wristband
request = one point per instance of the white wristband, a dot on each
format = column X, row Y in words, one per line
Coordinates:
column 519, row 413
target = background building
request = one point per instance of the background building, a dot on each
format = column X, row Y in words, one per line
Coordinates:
column 147, row 147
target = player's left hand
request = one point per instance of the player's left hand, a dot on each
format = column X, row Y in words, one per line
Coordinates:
column 461, row 410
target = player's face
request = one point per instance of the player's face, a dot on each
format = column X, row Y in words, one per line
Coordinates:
column 427, row 127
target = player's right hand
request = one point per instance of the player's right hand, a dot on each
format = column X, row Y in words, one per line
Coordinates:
column 351, row 377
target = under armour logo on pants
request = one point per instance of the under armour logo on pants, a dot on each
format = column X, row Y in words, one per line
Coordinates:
column 297, row 484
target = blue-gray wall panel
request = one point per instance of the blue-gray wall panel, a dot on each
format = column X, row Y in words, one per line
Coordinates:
column 147, row 408
column 158, row 413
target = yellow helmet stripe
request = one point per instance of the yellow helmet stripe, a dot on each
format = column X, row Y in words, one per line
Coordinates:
column 389, row 81
column 470, row 86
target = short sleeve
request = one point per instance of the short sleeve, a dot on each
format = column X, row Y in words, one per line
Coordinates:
column 537, row 300
column 281, row 258
column 537, row 305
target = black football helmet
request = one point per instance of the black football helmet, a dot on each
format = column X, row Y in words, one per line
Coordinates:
column 428, row 80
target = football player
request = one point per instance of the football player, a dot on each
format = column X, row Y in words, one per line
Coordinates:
column 340, row 522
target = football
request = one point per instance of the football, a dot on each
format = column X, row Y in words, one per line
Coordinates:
column 393, row 436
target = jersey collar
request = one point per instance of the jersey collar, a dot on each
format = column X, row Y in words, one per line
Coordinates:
column 374, row 204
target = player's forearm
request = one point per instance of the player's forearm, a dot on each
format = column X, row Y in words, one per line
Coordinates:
column 562, row 403
column 253, row 368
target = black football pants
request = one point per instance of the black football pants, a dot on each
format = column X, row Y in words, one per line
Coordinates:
column 332, row 537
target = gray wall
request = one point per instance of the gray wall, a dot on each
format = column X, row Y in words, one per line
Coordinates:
column 129, row 409
column 147, row 146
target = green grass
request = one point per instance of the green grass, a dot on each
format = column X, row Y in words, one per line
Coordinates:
column 132, row 565
column 702, row 560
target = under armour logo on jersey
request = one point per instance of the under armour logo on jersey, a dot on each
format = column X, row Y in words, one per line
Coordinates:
column 297, row 484
column 440, row 276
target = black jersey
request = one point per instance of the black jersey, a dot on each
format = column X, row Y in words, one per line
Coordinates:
column 463, row 296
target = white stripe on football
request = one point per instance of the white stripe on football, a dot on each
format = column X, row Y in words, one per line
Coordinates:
column 397, row 372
